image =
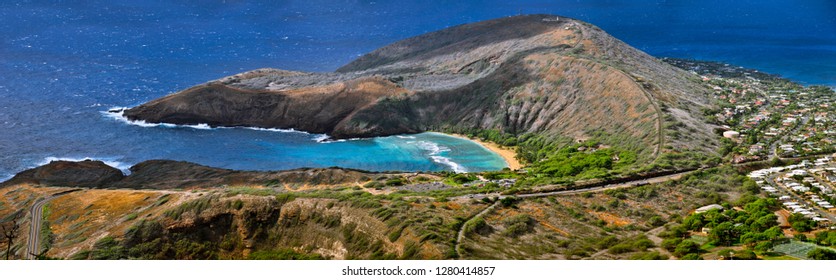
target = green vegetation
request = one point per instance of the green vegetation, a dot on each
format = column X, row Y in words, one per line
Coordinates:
column 459, row 178
column 580, row 161
column 801, row 223
column 518, row 225
column 821, row 254
column 46, row 234
column 194, row 206
column 638, row 243
column 477, row 226
column 755, row 227
column 283, row 254
column 570, row 162
column 650, row 255
column 374, row 185
column 395, row 182
column 688, row 250
column 826, row 238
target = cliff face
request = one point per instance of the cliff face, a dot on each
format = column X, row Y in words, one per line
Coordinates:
column 316, row 109
column 527, row 74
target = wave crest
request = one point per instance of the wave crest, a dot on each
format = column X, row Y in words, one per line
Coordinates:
column 435, row 152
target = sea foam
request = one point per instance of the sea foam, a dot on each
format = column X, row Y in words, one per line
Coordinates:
column 435, row 152
column 117, row 113
column 124, row 167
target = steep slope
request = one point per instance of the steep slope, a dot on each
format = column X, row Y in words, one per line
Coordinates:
column 539, row 74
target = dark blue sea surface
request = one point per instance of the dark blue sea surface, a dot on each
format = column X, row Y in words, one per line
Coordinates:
column 62, row 63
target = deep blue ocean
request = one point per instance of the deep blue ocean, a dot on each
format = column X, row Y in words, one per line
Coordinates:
column 62, row 63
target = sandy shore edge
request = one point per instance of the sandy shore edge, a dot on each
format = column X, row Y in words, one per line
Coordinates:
column 508, row 154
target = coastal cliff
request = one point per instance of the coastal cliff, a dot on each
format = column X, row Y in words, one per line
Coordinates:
column 537, row 74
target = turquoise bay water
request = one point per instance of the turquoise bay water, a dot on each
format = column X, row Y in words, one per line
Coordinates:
column 245, row 148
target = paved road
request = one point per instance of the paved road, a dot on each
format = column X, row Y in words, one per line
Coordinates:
column 777, row 142
column 36, row 213
column 654, row 180
column 800, row 199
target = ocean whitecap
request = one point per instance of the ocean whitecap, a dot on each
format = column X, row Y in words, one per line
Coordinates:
column 436, row 154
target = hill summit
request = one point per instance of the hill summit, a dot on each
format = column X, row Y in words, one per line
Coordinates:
column 555, row 77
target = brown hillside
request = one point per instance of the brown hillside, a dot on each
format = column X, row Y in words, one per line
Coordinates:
column 562, row 78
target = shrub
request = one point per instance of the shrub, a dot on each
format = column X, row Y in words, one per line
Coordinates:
column 652, row 255
column 374, row 185
column 643, row 244
column 801, row 223
column 656, row 221
column 607, row 242
column 477, row 226
column 745, row 255
column 421, row 179
column 821, row 254
column 108, row 248
column 395, row 182
column 620, row 249
column 283, row 254
column 508, row 201
column 692, row 256
column 462, row 178
column 518, row 225
column 686, row 247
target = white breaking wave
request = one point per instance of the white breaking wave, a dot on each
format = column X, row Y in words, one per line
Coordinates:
column 405, row 136
column 435, row 154
column 324, row 138
column 117, row 114
column 321, row 138
column 458, row 168
column 124, row 167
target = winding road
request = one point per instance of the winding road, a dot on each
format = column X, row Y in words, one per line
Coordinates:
column 36, row 213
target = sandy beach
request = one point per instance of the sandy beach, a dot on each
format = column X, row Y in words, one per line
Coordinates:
column 508, row 154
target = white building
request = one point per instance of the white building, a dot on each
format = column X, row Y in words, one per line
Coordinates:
column 731, row 134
